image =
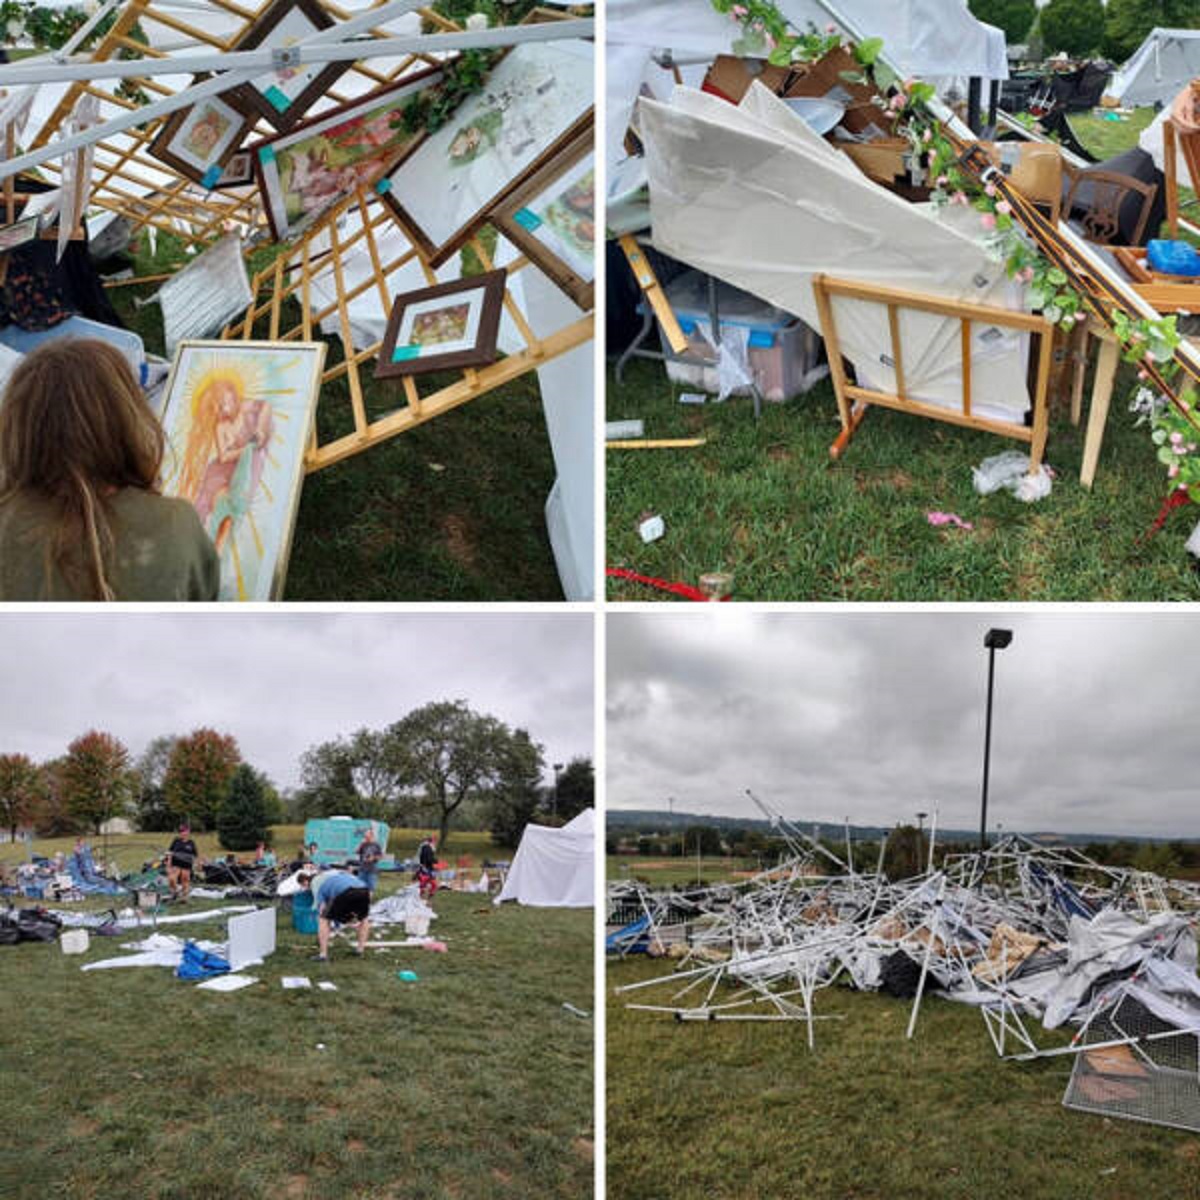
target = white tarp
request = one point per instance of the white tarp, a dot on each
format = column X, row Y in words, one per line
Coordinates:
column 554, row 868
column 1160, row 68
column 752, row 196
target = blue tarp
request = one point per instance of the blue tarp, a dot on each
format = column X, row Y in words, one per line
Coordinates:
column 199, row 964
column 86, row 878
column 632, row 934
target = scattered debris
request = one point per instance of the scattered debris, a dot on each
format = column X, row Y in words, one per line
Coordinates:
column 616, row 430
column 651, row 527
column 946, row 518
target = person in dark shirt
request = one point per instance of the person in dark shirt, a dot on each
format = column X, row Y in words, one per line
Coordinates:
column 426, row 877
column 369, row 853
column 181, row 861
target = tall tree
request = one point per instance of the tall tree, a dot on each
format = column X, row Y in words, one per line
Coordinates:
column 1076, row 26
column 1015, row 17
column 51, row 815
column 517, row 792
column 242, row 822
column 20, row 786
column 1128, row 22
column 96, row 780
column 153, row 812
column 198, row 775
column 327, row 785
column 576, row 788
column 446, row 754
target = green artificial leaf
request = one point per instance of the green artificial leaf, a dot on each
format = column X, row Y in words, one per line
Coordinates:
column 1159, row 437
column 859, row 77
column 868, row 51
column 781, row 56
column 1056, row 276
column 1166, row 455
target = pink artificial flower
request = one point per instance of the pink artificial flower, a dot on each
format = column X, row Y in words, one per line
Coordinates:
column 896, row 103
column 831, row 29
column 1191, row 447
column 1142, row 374
column 959, row 198
column 990, row 189
column 1027, row 275
column 1176, row 438
column 928, row 136
column 988, row 220
column 1172, row 470
column 739, row 11
column 1003, row 206
column 771, row 43
column 942, row 180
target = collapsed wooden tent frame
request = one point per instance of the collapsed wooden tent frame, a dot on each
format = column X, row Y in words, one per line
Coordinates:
column 288, row 303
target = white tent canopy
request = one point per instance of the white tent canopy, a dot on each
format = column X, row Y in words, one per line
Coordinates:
column 1160, row 68
column 555, row 868
column 749, row 194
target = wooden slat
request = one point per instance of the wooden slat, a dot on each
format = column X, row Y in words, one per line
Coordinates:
column 966, row 366
column 897, row 352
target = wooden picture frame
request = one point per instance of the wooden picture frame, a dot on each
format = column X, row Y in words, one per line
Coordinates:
column 537, row 100
column 312, row 143
column 179, row 143
column 265, row 97
column 237, row 171
column 263, row 395
column 468, row 328
column 551, row 219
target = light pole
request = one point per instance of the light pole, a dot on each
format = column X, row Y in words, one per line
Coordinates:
column 920, row 840
column 557, row 771
column 994, row 639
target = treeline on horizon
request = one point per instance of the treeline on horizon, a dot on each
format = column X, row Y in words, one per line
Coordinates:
column 441, row 766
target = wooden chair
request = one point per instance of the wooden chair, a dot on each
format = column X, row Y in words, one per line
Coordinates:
column 1101, row 222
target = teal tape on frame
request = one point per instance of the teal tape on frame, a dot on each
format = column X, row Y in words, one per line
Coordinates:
column 383, row 186
column 211, row 176
column 406, row 353
column 266, row 154
column 278, row 100
column 527, row 219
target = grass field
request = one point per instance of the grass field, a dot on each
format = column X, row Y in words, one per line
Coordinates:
column 664, row 872
column 732, row 1111
column 762, row 500
column 453, row 510
column 472, row 1082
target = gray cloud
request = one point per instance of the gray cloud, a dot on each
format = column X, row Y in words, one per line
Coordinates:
column 280, row 682
column 878, row 715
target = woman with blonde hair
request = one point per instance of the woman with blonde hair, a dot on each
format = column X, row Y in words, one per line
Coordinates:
column 81, row 516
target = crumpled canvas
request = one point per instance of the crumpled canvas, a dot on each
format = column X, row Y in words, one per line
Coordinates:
column 1010, row 471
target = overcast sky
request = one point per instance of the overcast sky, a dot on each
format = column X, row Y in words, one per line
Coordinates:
column 877, row 716
column 281, row 682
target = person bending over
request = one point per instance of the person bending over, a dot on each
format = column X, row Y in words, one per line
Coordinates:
column 181, row 862
column 81, row 515
column 340, row 899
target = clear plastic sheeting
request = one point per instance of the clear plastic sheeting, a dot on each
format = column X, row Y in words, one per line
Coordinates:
column 1009, row 471
column 751, row 195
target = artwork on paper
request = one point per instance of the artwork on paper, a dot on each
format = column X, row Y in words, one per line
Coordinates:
column 198, row 140
column 305, row 171
column 552, row 220
column 237, row 418
column 535, row 100
column 18, row 233
column 238, row 171
column 284, row 95
column 449, row 325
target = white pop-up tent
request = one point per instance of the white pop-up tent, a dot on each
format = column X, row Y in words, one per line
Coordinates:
column 1159, row 68
column 749, row 194
column 554, row 868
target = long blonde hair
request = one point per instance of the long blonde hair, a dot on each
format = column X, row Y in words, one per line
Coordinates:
column 74, row 429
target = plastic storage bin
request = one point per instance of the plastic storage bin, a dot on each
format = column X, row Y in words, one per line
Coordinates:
column 74, row 941
column 782, row 349
column 304, row 913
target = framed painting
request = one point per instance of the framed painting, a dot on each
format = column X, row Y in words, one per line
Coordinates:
column 551, row 219
column 303, row 172
column 237, row 418
column 450, row 326
column 283, row 96
column 536, row 101
column 238, row 171
column 197, row 141
column 19, row 232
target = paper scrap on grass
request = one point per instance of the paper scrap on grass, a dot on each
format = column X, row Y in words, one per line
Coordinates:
column 296, row 981
column 326, row 986
column 227, row 983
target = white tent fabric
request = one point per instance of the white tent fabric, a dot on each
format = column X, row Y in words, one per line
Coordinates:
column 554, row 868
column 750, row 195
column 1159, row 69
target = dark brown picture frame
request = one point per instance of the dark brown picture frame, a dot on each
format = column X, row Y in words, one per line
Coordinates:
column 491, row 284
column 435, row 255
column 231, row 177
column 160, row 147
column 250, row 100
column 504, row 218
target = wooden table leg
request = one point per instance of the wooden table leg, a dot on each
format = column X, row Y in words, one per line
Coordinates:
column 1102, row 389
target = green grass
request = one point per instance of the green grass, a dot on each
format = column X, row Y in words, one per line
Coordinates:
column 763, row 500
column 738, row 1110
column 472, row 1082
column 130, row 850
column 664, row 872
column 452, row 510
column 1107, row 139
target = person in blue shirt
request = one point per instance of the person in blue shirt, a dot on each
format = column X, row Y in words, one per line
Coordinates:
column 340, row 899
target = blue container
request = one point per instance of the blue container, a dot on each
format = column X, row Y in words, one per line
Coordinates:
column 304, row 914
column 1173, row 258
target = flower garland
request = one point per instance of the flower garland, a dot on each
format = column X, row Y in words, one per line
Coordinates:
column 1145, row 342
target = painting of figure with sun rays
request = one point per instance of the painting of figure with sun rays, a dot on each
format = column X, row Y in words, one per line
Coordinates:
column 237, row 417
